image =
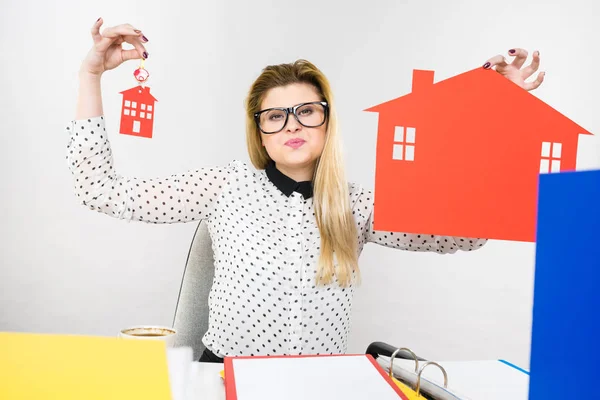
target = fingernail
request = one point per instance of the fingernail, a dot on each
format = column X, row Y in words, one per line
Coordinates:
column 98, row 19
column 511, row 51
column 144, row 38
column 145, row 55
column 137, row 31
column 486, row 65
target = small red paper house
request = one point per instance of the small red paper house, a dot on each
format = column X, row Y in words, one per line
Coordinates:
column 137, row 112
column 462, row 157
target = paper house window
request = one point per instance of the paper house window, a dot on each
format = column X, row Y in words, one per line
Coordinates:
column 143, row 106
column 148, row 116
column 149, row 108
column 129, row 108
column 551, row 153
column 404, row 143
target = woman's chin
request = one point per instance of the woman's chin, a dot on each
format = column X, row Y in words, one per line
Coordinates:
column 297, row 160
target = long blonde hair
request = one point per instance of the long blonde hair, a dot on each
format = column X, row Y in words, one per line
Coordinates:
column 339, row 241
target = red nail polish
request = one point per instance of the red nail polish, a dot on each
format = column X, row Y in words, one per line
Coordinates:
column 511, row 51
column 486, row 65
column 98, row 19
column 144, row 38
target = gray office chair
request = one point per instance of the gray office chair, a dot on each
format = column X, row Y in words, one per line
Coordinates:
column 191, row 312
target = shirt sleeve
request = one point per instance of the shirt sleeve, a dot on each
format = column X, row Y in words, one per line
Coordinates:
column 184, row 197
column 414, row 241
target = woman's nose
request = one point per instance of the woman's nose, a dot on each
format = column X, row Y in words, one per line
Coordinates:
column 292, row 124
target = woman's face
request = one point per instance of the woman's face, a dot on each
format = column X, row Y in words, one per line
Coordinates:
column 295, row 147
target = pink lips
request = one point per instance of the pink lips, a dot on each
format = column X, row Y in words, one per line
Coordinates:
column 295, row 143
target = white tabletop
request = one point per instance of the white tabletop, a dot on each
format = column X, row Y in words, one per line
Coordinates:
column 206, row 382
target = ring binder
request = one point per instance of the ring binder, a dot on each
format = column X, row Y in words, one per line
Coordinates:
column 394, row 356
column 377, row 349
column 418, row 389
column 406, row 379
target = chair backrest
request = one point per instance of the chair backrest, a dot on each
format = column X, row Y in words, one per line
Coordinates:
column 191, row 313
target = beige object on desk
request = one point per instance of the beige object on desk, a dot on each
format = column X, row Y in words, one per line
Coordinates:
column 150, row 332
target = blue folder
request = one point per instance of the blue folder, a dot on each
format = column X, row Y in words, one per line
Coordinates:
column 565, row 346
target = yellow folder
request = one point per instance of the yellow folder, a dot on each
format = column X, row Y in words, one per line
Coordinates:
column 411, row 394
column 69, row 367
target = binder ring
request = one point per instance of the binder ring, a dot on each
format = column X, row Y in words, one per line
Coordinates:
column 418, row 390
column 394, row 356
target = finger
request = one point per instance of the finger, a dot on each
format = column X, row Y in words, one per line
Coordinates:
column 106, row 42
column 535, row 84
column 115, row 34
column 123, row 30
column 520, row 57
column 95, row 31
column 132, row 54
column 138, row 52
column 533, row 67
column 497, row 61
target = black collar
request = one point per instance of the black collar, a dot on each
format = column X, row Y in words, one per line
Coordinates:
column 286, row 184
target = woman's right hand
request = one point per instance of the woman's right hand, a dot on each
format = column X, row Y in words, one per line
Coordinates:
column 107, row 52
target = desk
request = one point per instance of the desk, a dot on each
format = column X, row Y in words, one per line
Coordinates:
column 206, row 383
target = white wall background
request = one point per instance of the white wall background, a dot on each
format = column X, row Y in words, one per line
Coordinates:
column 69, row 270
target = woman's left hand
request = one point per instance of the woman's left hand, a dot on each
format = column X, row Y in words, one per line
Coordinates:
column 513, row 70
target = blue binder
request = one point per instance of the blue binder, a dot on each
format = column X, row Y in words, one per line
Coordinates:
column 565, row 347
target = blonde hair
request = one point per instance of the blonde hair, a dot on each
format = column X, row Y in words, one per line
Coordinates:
column 335, row 221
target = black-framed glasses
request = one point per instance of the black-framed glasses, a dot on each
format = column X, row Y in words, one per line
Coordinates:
column 310, row 115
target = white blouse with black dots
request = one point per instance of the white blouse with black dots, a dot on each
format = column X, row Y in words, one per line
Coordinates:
column 263, row 299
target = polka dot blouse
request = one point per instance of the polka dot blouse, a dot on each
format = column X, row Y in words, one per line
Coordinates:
column 263, row 300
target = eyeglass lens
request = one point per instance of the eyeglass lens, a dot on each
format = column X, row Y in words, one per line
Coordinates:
column 309, row 115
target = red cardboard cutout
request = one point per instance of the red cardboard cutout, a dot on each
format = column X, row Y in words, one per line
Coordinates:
column 462, row 157
column 137, row 112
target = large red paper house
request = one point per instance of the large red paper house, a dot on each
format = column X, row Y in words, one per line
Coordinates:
column 462, row 157
column 137, row 112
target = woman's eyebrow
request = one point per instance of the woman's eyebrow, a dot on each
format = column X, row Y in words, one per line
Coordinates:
column 302, row 102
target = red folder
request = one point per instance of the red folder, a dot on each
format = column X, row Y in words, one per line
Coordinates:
column 232, row 375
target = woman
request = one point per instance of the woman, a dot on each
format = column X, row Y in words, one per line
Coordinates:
column 287, row 234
